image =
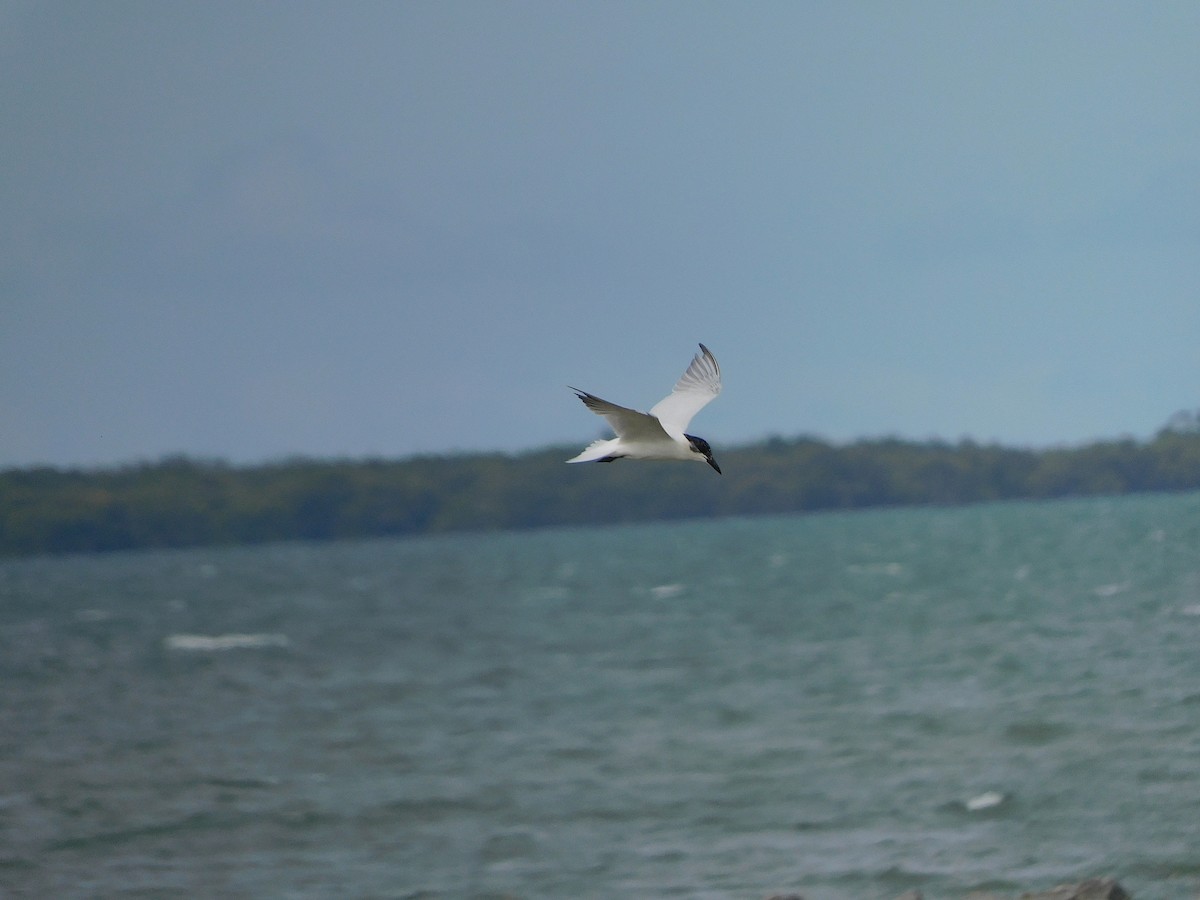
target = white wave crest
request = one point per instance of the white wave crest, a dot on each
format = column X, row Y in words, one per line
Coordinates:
column 209, row 643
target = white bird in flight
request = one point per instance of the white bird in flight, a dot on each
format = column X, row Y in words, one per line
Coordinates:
column 658, row 434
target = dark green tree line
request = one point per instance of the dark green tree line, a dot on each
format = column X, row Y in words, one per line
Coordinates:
column 182, row 502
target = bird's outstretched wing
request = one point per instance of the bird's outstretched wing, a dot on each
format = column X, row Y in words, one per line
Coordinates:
column 694, row 390
column 627, row 423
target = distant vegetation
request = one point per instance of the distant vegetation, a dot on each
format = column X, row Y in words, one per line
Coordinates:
column 183, row 502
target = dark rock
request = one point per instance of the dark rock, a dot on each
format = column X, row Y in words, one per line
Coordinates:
column 1092, row 889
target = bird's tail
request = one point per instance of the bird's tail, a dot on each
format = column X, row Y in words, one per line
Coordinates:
column 593, row 452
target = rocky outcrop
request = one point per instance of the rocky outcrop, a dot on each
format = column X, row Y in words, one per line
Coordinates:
column 1092, row 889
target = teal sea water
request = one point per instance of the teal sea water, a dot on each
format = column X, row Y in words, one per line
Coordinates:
column 849, row 706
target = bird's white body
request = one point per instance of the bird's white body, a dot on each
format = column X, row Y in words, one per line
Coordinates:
column 653, row 448
column 658, row 434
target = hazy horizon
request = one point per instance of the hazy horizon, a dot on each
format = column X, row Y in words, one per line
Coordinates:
column 250, row 232
column 565, row 445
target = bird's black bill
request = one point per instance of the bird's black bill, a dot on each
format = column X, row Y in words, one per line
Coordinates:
column 712, row 462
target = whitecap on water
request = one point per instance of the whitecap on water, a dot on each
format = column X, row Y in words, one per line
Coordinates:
column 208, row 643
column 663, row 591
column 986, row 800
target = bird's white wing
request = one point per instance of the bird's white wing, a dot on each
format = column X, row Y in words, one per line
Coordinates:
column 694, row 390
column 627, row 423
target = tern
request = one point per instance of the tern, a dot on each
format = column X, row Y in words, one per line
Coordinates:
column 658, row 434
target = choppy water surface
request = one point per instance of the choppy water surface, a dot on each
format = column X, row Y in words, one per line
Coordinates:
column 999, row 697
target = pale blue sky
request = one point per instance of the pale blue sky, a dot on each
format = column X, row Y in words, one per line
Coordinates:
column 256, row 230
